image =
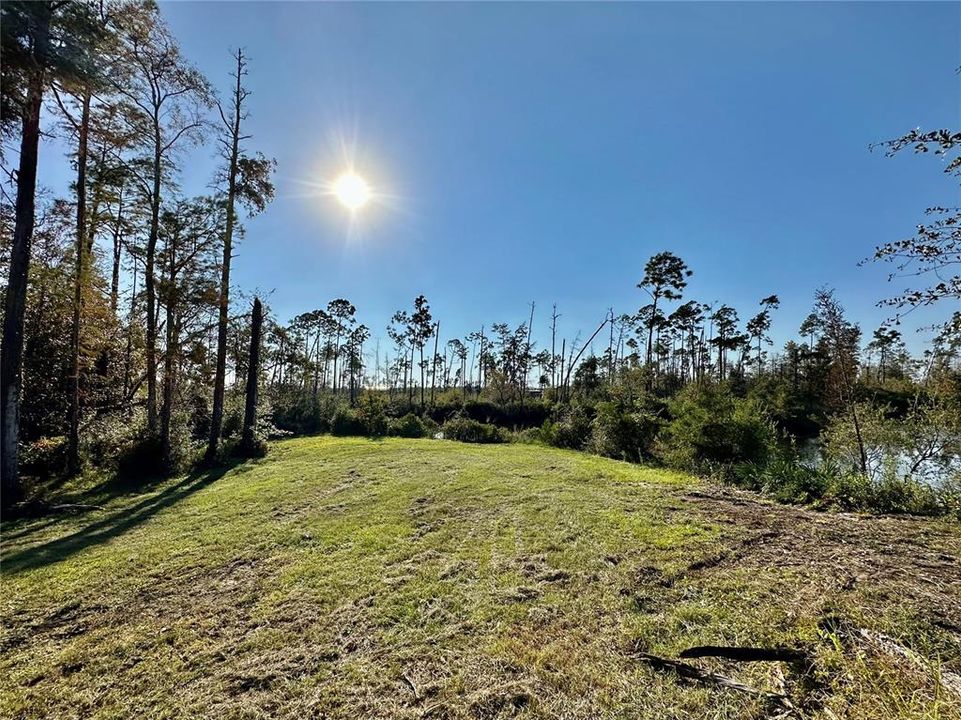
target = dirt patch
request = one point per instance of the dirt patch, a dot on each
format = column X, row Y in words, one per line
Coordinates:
column 912, row 559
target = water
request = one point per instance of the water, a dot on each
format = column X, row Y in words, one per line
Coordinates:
column 932, row 471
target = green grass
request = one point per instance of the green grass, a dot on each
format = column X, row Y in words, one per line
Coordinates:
column 336, row 575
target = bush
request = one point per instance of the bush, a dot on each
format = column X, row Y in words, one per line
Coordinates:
column 371, row 413
column 141, row 458
column 301, row 413
column 528, row 436
column 515, row 415
column 572, row 430
column 44, row 457
column 891, row 494
column 254, row 447
column 619, row 433
column 233, row 421
column 467, row 430
column 409, row 426
column 346, row 421
column 710, row 426
column 786, row 480
column 107, row 437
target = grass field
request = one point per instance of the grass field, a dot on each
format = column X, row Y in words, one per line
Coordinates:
column 347, row 578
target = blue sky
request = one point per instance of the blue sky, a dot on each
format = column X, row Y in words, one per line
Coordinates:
column 545, row 151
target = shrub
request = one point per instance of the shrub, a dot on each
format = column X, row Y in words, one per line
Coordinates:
column 346, row 421
column 370, row 411
column 141, row 458
column 890, row 494
column 786, row 480
column 255, row 446
column 45, row 456
column 233, row 421
column 528, row 436
column 301, row 413
column 925, row 443
column 572, row 430
column 619, row 433
column 408, row 426
column 470, row 431
column 709, row 426
column 516, row 415
column 107, row 437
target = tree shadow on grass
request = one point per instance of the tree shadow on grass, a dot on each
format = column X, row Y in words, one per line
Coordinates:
column 119, row 522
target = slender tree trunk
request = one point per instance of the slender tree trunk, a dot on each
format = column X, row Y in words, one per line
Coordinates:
column 350, row 370
column 11, row 353
column 117, row 252
column 73, row 436
column 217, row 413
column 554, row 346
column 561, row 377
column 433, row 364
column 650, row 330
column 171, row 360
column 480, row 364
column 527, row 355
column 149, row 281
column 410, row 390
column 253, row 371
column 422, row 376
column 336, row 353
column 128, row 355
column 316, row 367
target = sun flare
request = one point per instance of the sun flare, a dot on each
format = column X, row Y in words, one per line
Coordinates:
column 352, row 190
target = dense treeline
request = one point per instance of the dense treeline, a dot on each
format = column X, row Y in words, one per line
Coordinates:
column 832, row 416
column 116, row 324
column 125, row 346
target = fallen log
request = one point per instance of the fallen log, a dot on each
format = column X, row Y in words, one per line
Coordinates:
column 691, row 673
column 746, row 654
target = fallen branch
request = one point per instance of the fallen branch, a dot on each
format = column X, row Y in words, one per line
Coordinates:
column 413, row 688
column 75, row 506
column 694, row 674
column 746, row 654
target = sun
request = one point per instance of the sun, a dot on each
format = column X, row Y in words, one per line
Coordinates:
column 352, row 190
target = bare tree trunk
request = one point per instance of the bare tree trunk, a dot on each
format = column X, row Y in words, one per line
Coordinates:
column 554, row 317
column 561, row 376
column 117, row 251
column 149, row 281
column 11, row 353
column 253, row 370
column 336, row 354
column 433, row 363
column 480, row 364
column 650, row 330
column 129, row 351
column 422, row 382
column 217, row 413
column 73, row 436
column 574, row 359
column 410, row 389
column 610, row 350
column 171, row 360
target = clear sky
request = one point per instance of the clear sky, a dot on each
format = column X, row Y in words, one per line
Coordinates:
column 545, row 151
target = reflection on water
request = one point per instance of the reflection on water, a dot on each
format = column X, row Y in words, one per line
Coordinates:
column 934, row 471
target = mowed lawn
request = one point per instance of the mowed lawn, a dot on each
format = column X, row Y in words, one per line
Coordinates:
column 350, row 578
